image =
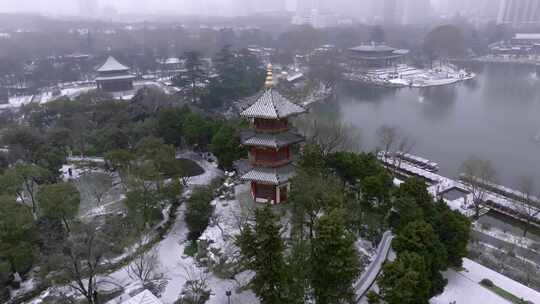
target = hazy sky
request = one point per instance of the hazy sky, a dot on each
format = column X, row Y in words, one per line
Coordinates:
column 62, row 7
column 70, row 7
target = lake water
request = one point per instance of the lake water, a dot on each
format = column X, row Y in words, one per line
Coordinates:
column 495, row 117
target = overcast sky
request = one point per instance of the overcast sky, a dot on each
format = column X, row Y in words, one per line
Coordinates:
column 70, row 7
column 62, row 7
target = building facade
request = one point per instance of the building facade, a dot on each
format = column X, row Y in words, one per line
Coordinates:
column 114, row 77
column 519, row 13
column 270, row 140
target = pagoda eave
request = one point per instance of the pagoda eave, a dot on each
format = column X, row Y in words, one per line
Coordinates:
column 270, row 176
column 276, row 141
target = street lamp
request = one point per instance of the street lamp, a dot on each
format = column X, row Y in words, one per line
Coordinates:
column 228, row 293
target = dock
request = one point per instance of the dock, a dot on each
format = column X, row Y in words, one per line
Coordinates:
column 498, row 198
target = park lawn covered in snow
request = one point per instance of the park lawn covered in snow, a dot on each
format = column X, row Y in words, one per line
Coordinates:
column 464, row 286
column 175, row 265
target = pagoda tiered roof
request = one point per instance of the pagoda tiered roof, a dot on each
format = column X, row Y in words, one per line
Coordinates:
column 112, row 65
column 272, row 105
column 253, row 138
column 272, row 176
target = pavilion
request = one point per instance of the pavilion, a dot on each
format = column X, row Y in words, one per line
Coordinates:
column 114, row 77
column 375, row 56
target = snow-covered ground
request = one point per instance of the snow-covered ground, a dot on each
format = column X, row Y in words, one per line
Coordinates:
column 211, row 170
column 170, row 251
column 463, row 287
column 520, row 241
column 405, row 75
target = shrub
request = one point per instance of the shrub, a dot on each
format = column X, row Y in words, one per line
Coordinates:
column 487, row 283
column 198, row 212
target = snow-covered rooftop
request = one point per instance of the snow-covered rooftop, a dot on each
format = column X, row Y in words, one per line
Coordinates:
column 252, row 138
column 272, row 105
column 112, row 65
column 145, row 297
column 273, row 176
column 528, row 36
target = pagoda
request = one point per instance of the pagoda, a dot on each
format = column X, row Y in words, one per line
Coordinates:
column 269, row 140
column 114, row 77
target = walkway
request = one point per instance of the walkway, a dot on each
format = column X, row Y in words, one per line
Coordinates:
column 368, row 278
column 438, row 185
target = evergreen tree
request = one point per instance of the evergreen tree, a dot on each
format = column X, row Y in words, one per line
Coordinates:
column 334, row 261
column 199, row 209
column 454, row 230
column 419, row 237
column 226, row 146
column 405, row 280
column 17, row 235
column 262, row 251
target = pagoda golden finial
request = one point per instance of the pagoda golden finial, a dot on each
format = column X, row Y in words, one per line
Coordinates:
column 269, row 77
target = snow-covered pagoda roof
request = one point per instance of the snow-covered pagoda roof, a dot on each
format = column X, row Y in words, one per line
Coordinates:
column 252, row 138
column 272, row 176
column 272, row 105
column 112, row 65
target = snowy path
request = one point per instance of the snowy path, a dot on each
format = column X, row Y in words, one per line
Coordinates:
column 174, row 264
column 367, row 280
column 172, row 259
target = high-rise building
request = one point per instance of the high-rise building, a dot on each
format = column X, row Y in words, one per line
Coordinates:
column 391, row 12
column 519, row 13
column 415, row 11
column 88, row 8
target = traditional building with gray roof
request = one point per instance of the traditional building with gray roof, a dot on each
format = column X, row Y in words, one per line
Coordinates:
column 114, row 77
column 269, row 140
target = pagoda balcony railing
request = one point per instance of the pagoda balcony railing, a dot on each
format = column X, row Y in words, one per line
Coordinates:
column 269, row 162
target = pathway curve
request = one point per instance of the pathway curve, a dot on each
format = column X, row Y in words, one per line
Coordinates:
column 374, row 268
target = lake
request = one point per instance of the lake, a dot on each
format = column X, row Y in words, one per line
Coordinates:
column 495, row 117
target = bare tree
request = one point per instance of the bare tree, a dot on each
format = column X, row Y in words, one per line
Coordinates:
column 84, row 256
column 388, row 137
column 527, row 205
column 95, row 186
column 196, row 290
column 145, row 269
column 477, row 175
column 394, row 144
column 329, row 136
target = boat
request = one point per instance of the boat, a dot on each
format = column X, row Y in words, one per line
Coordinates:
column 418, row 161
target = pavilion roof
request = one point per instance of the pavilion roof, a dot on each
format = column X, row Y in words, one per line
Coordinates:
column 253, row 138
column 272, row 105
column 112, row 65
column 272, row 176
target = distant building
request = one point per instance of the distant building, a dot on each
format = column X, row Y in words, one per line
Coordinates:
column 523, row 44
column 114, row 77
column 4, row 96
column 415, row 11
column 519, row 13
column 171, row 66
column 375, row 56
column 392, row 13
column 88, row 8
